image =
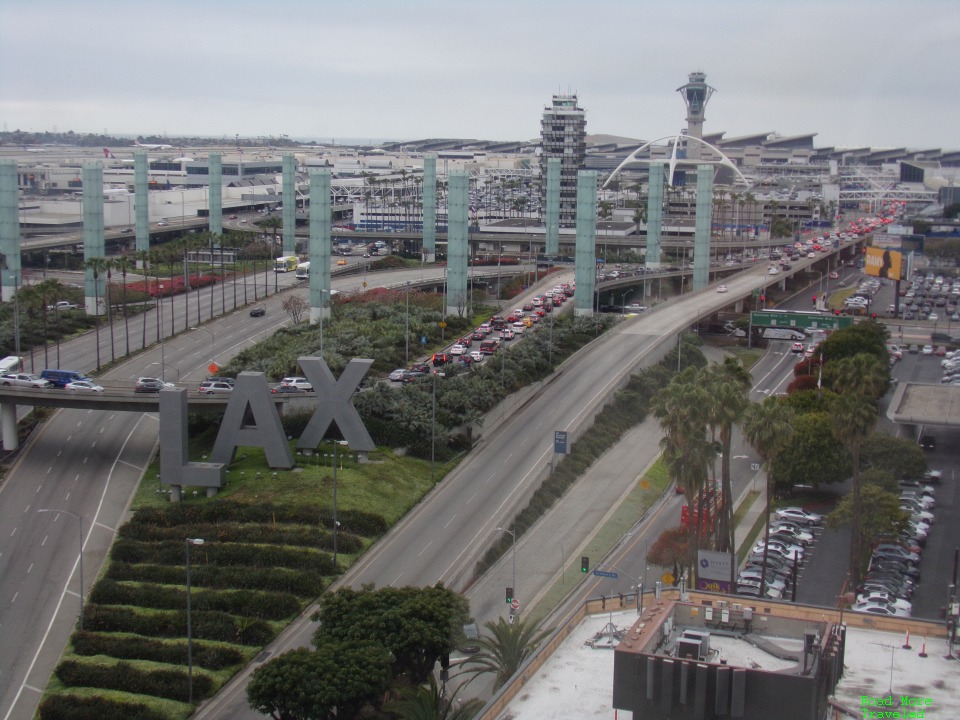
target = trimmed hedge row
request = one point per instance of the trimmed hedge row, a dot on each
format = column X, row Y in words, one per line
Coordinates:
column 207, row 625
column 64, row 706
column 254, row 534
column 205, row 655
column 225, row 555
column 261, row 604
column 228, row 511
column 170, row 684
column 297, row 582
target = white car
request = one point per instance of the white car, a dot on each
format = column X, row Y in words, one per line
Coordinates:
column 928, row 349
column 477, row 356
column 83, row 386
column 878, row 596
column 24, row 380
column 397, row 375
column 458, row 349
column 799, row 515
column 721, row 288
column 774, row 271
column 301, row 383
column 880, row 609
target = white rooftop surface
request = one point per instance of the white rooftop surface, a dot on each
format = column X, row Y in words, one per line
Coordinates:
column 577, row 681
column 740, row 653
column 867, row 672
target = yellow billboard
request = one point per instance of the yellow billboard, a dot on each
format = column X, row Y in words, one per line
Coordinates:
column 883, row 263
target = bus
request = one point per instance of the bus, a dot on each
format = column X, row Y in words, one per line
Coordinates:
column 286, row 263
column 303, row 270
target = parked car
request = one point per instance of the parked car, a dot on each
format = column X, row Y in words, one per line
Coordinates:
column 879, row 609
column 799, row 515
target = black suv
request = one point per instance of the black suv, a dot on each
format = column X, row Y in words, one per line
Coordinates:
column 927, row 442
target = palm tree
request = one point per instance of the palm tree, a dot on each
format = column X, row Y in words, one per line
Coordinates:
column 109, row 268
column 96, row 265
column 505, row 649
column 767, row 427
column 124, row 264
column 679, row 407
column 853, row 419
column 430, row 703
column 727, row 386
column 862, row 375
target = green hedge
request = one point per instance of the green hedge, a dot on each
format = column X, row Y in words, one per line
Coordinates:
column 298, row 535
column 222, row 555
column 263, row 605
column 229, row 511
column 298, row 582
column 205, row 655
column 170, row 684
column 65, row 706
column 207, row 625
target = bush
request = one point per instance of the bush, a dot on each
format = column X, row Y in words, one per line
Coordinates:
column 206, row 655
column 263, row 605
column 298, row 582
column 228, row 554
column 170, row 684
column 71, row 707
column 172, row 624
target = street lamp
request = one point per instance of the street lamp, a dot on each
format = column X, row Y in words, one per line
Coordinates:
column 187, row 543
column 433, row 428
column 80, row 521
column 322, row 310
column 513, row 545
column 336, row 522
column 213, row 341
column 623, row 302
column 406, row 327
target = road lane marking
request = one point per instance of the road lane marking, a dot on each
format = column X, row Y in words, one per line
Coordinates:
column 14, row 598
column 425, row 548
column 29, row 568
column 44, row 540
column 450, row 521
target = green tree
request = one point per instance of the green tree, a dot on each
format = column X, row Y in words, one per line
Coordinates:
column 680, row 409
column 334, row 681
column 505, row 649
column 864, row 337
column 97, row 265
column 814, row 455
column 901, row 457
column 768, row 427
column 726, row 387
column 429, row 703
column 863, row 375
column 417, row 625
column 123, row 264
column 853, row 419
column 883, row 509
column 882, row 479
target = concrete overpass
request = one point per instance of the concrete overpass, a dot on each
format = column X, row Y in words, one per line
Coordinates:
column 918, row 404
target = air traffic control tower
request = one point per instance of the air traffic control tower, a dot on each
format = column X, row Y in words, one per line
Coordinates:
column 696, row 94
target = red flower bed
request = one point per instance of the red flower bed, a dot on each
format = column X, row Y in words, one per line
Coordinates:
column 171, row 285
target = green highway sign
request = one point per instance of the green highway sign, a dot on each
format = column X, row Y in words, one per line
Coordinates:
column 800, row 320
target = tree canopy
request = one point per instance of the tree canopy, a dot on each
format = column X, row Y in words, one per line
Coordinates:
column 814, row 455
column 901, row 457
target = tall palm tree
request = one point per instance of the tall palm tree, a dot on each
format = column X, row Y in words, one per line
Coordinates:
column 853, row 419
column 96, row 265
column 726, row 386
column 505, row 649
column 108, row 266
column 430, row 703
column 679, row 407
column 767, row 427
column 862, row 375
column 124, row 264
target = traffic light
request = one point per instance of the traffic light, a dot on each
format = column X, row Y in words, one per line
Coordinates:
column 584, row 564
column 836, row 312
column 763, row 298
column 509, row 595
column 814, row 299
column 873, row 316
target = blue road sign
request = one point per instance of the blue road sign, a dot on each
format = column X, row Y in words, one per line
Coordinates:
column 604, row 573
column 560, row 442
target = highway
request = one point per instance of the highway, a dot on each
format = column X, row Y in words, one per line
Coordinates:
column 440, row 540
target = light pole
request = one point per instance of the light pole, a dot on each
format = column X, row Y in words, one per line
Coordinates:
column 187, row 542
column 336, row 522
column 513, row 545
column 163, row 362
column 213, row 342
column 406, row 327
column 623, row 302
column 80, row 521
column 323, row 303
column 433, row 429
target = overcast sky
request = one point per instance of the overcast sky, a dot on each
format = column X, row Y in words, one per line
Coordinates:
column 879, row 73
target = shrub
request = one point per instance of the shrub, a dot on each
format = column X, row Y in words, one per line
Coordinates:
column 298, row 582
column 173, row 624
column 65, row 706
column 206, row 655
column 170, row 684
